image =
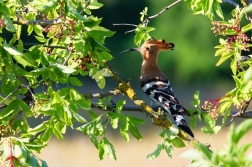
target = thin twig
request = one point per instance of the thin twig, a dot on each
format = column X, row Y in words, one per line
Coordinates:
column 130, row 31
column 231, row 3
column 47, row 46
column 164, row 9
column 124, row 24
column 101, row 95
column 68, row 57
column 3, row 106
column 11, row 93
column 36, row 136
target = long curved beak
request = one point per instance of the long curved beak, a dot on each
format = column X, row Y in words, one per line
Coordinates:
column 129, row 50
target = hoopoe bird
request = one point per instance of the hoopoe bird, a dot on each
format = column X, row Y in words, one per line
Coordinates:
column 155, row 83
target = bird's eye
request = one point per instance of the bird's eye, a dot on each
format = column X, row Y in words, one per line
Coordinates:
column 163, row 40
column 147, row 48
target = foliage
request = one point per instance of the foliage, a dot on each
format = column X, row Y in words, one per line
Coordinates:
column 70, row 44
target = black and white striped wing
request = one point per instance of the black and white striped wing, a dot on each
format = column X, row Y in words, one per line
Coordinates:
column 161, row 93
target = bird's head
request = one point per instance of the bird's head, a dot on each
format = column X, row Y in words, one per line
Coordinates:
column 150, row 48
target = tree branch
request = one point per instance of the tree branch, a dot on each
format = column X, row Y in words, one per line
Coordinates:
column 21, row 21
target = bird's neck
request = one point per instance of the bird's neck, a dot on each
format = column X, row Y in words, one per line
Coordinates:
column 150, row 70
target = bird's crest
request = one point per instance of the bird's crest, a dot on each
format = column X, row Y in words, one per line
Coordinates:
column 160, row 45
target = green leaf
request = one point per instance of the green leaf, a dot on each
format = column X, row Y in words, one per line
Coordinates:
column 106, row 72
column 135, row 132
column 40, row 39
column 7, row 21
column 20, row 57
column 241, row 130
column 20, row 46
column 43, row 58
column 196, row 94
column 49, row 5
column 233, row 65
column 106, row 56
column 193, row 122
column 18, row 31
column 168, row 148
column 238, row 82
column 114, row 117
column 206, row 130
column 4, row 9
column 8, row 85
column 75, row 81
column 105, row 147
column 221, row 51
column 225, row 108
column 218, row 10
column 205, row 150
column 92, row 115
column 75, row 95
column 94, row 140
column 246, row 9
column 12, row 50
column 224, row 57
column 39, row 128
column 38, row 30
column 79, row 118
column 86, row 128
column 210, row 122
column 177, row 142
column 246, row 27
column 64, row 69
column 216, row 129
column 247, row 76
column 47, row 135
column 134, row 120
column 119, row 105
column 72, row 13
column 57, row 133
column 25, row 107
column 94, row 5
column 11, row 108
column 68, row 116
column 84, row 104
column 196, row 100
column 124, row 130
column 156, row 153
column 29, row 29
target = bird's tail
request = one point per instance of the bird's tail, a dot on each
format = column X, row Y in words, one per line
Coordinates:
column 181, row 122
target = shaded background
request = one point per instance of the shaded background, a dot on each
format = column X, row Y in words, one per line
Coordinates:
column 190, row 67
